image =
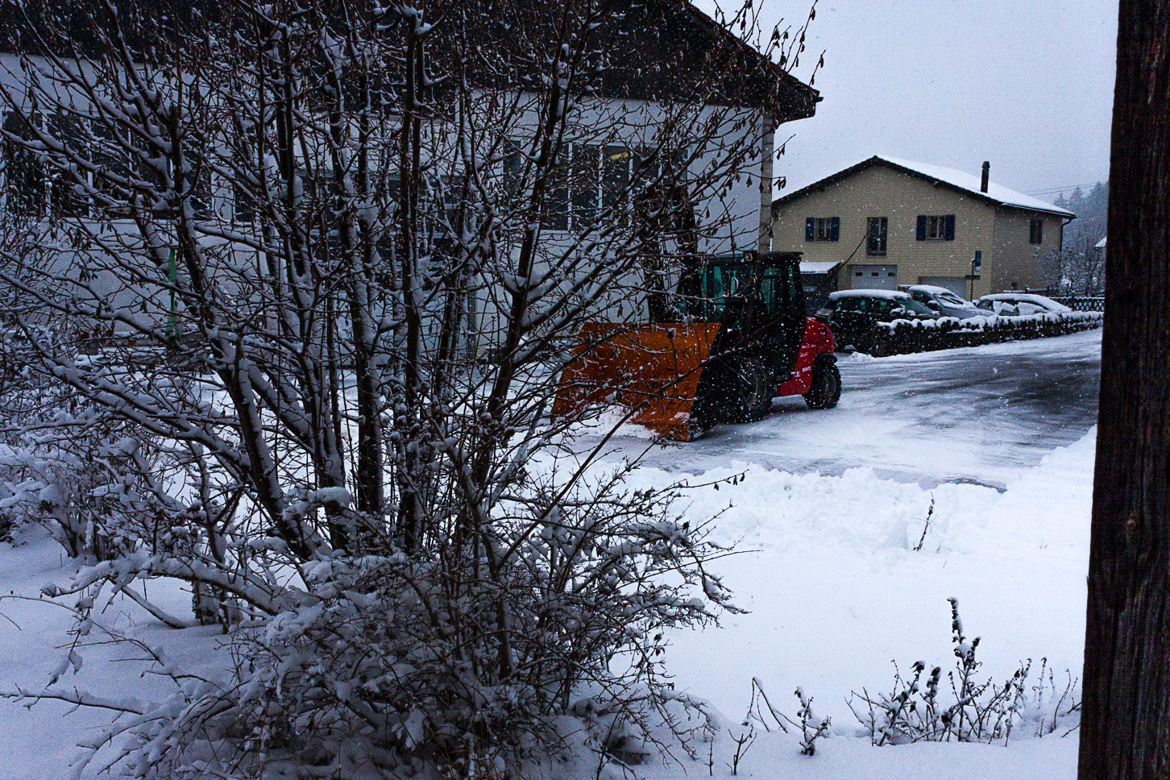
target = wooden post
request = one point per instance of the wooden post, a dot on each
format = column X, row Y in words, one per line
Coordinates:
column 1125, row 729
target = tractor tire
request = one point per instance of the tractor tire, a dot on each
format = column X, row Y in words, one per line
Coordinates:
column 755, row 394
column 825, row 390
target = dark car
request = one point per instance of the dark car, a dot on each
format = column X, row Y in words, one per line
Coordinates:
column 853, row 316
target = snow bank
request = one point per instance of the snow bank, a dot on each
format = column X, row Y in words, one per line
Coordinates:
column 836, row 591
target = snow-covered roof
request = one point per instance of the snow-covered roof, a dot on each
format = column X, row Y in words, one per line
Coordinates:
column 961, row 180
column 817, row 267
column 870, row 293
column 971, row 183
column 932, row 289
column 1038, row 300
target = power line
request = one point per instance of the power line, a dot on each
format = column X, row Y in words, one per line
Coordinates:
column 1061, row 189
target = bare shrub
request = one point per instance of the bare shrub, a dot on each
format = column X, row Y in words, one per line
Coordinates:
column 977, row 710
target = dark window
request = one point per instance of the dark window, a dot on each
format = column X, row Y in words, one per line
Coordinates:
column 111, row 153
column 615, row 177
column 877, row 231
column 822, row 228
column 556, row 215
column 244, row 205
column 201, row 197
column 66, row 197
column 779, row 290
column 586, row 168
column 1036, row 232
column 513, row 168
column 24, row 174
column 935, row 227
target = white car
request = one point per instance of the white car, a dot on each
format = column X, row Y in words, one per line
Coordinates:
column 943, row 301
column 1012, row 304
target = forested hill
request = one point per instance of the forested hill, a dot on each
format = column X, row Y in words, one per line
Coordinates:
column 1091, row 210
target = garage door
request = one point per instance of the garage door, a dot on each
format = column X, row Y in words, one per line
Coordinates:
column 956, row 284
column 873, row 277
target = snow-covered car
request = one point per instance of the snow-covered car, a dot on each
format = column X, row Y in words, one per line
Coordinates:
column 1022, row 303
column 853, row 315
column 944, row 301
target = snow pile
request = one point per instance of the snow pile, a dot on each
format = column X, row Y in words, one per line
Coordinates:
column 915, row 335
column 836, row 591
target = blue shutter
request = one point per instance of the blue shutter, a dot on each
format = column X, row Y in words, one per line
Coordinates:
column 810, row 231
column 950, row 229
column 921, row 235
column 834, row 228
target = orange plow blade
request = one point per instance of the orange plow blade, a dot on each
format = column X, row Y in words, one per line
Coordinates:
column 652, row 370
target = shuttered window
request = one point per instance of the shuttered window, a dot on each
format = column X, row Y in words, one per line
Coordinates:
column 935, row 227
column 822, row 228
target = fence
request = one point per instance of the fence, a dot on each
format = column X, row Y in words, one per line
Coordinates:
column 1082, row 302
column 1074, row 302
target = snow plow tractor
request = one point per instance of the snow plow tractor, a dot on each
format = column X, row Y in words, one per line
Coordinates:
column 734, row 336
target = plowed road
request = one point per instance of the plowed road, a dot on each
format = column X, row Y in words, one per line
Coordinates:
column 965, row 415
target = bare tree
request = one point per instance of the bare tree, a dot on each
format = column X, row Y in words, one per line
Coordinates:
column 1127, row 658
column 1078, row 268
column 318, row 263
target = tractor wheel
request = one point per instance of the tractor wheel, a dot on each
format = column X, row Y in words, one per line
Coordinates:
column 826, row 385
column 756, row 395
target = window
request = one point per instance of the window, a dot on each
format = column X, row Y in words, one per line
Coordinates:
column 202, row 202
column 513, row 167
column 1036, row 232
column 66, row 196
column 779, row 289
column 112, row 155
column 244, row 210
column 24, row 174
column 822, row 228
column 585, row 184
column 932, row 227
column 877, row 233
column 592, row 179
column 38, row 187
column 615, row 176
column 564, row 191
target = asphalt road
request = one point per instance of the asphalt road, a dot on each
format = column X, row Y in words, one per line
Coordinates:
column 967, row 415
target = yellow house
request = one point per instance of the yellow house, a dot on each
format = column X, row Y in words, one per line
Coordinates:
column 887, row 222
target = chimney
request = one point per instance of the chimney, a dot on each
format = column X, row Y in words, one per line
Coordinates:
column 986, row 173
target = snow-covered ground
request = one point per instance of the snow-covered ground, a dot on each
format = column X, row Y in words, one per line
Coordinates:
column 836, row 591
column 833, row 503
column 1002, row 439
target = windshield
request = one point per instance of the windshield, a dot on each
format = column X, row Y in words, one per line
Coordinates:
column 914, row 307
column 708, row 294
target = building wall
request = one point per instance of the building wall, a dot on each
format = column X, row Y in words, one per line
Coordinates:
column 731, row 211
column 879, row 191
column 1017, row 265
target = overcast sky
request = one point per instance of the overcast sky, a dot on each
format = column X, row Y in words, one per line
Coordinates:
column 1025, row 84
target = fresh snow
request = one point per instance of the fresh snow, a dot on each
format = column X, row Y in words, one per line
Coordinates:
column 826, row 517
column 818, row 267
column 870, row 293
column 971, row 183
column 836, row 591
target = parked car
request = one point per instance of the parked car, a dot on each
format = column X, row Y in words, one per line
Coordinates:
column 944, row 301
column 1012, row 304
column 853, row 316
